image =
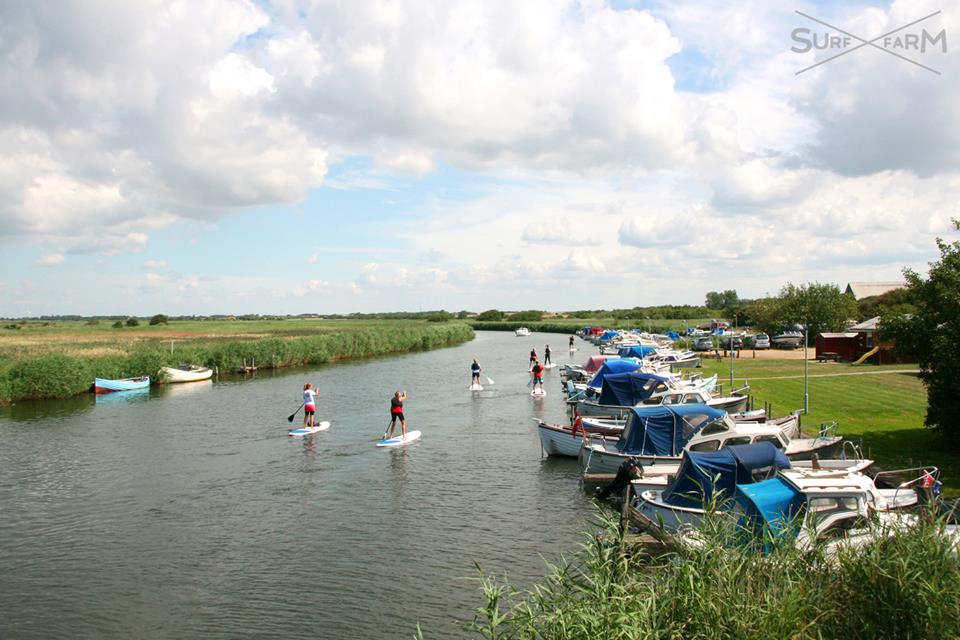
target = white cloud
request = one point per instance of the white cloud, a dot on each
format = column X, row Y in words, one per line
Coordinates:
column 155, row 264
column 51, row 260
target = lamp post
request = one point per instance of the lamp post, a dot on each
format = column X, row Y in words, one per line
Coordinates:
column 806, row 367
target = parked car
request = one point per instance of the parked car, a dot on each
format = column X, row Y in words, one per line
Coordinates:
column 731, row 342
column 761, row 341
column 703, row 344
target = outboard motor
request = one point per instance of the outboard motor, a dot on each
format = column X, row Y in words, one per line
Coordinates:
column 629, row 469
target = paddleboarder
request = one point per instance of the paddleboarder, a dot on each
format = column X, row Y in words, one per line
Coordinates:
column 533, row 357
column 309, row 406
column 475, row 372
column 571, row 343
column 546, row 355
column 537, row 371
column 396, row 413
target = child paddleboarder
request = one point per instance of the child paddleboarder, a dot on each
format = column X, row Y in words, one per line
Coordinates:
column 396, row 413
column 309, row 406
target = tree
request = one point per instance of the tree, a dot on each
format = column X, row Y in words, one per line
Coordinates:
column 117, row 325
column 158, row 319
column 821, row 307
column 132, row 322
column 526, row 316
column 490, row 315
column 722, row 299
column 932, row 335
column 439, row 316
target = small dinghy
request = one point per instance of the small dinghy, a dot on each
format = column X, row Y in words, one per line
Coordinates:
column 105, row 385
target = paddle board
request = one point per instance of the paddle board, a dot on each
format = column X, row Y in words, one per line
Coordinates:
column 538, row 393
column 476, row 387
column 572, row 349
column 321, row 426
column 549, row 366
column 397, row 441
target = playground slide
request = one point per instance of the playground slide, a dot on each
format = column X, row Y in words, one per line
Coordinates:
column 862, row 358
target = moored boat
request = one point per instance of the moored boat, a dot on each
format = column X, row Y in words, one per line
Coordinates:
column 522, row 332
column 106, row 385
column 185, row 373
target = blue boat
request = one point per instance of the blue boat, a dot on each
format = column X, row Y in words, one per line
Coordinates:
column 104, row 385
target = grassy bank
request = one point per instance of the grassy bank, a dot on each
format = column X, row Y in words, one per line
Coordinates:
column 899, row 586
column 45, row 360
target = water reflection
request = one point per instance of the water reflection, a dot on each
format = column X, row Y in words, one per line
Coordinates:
column 36, row 410
column 123, row 397
column 184, row 389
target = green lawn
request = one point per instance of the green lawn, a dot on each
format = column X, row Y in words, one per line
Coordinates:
column 886, row 411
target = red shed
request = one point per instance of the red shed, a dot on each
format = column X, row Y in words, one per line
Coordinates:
column 843, row 344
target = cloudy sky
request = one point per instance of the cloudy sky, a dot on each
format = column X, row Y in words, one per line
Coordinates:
column 239, row 156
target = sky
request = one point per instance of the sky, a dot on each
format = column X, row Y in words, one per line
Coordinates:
column 286, row 157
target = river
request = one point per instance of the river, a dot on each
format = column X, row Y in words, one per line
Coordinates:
column 188, row 512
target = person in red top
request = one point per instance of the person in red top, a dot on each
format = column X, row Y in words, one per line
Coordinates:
column 533, row 357
column 537, row 371
column 396, row 413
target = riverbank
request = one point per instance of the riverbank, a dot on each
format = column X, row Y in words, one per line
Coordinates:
column 56, row 359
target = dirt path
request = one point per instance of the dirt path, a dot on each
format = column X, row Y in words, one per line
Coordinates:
column 836, row 375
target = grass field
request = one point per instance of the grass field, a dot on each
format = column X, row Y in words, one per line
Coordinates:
column 51, row 359
column 884, row 406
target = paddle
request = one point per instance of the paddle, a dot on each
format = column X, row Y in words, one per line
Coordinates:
column 489, row 381
column 291, row 416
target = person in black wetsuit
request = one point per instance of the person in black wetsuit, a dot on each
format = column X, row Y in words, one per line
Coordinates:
column 475, row 372
column 396, row 413
column 571, row 342
column 533, row 357
column 546, row 355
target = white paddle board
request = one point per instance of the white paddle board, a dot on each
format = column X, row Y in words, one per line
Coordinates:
column 476, row 387
column 398, row 441
column 538, row 392
column 549, row 366
column 321, row 426
column 572, row 349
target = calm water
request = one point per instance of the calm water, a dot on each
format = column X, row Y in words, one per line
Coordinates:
column 189, row 512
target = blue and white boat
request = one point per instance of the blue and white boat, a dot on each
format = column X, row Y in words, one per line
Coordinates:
column 105, row 385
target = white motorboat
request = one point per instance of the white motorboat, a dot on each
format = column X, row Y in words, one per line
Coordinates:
column 185, row 373
column 522, row 332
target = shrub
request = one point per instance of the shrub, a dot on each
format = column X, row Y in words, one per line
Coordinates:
column 132, row 322
column 158, row 319
column 117, row 325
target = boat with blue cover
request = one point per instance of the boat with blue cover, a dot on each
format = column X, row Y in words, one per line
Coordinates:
column 106, row 385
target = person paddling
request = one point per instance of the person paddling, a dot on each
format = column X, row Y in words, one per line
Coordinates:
column 475, row 373
column 546, row 355
column 533, row 357
column 571, row 343
column 537, row 371
column 309, row 406
column 396, row 413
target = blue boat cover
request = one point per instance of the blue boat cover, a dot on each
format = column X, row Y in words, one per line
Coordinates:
column 608, row 335
column 664, row 430
column 704, row 473
column 770, row 508
column 628, row 389
column 637, row 351
column 673, row 335
column 612, row 365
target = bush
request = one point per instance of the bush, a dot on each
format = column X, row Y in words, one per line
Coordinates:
column 490, row 315
column 440, row 316
column 158, row 319
column 526, row 316
column 132, row 322
column 117, row 325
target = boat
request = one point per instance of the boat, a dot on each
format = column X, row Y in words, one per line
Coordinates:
column 787, row 340
column 522, row 332
column 105, row 385
column 659, row 434
column 185, row 373
column 620, row 392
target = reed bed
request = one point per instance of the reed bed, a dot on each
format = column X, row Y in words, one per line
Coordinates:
column 49, row 373
column 902, row 585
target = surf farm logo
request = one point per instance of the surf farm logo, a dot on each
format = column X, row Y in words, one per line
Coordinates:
column 906, row 42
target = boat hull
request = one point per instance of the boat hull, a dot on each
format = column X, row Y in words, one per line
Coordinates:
column 104, row 385
column 172, row 374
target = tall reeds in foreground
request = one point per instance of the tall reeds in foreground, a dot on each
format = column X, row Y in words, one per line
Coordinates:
column 904, row 584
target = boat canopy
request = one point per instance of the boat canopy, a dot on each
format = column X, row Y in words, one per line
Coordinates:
column 770, row 508
column 673, row 335
column 595, row 362
column 608, row 335
column 664, row 430
column 613, row 365
column 628, row 389
column 637, row 351
column 705, row 473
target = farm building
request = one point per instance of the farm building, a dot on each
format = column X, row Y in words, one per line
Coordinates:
column 861, row 290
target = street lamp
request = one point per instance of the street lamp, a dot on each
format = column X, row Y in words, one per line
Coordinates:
column 806, row 368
